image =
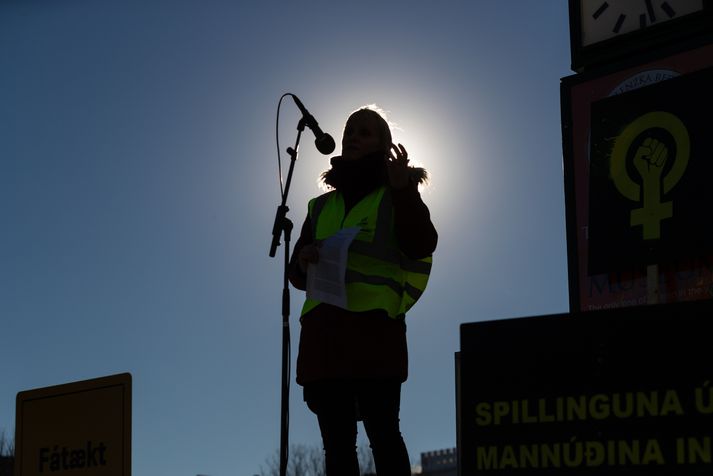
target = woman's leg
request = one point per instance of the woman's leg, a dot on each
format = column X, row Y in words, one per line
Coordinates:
column 379, row 403
column 334, row 405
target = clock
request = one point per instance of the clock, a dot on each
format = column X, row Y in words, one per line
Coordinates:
column 604, row 31
column 602, row 20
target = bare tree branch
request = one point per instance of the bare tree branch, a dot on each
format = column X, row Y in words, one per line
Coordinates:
column 7, row 454
column 366, row 460
column 7, row 445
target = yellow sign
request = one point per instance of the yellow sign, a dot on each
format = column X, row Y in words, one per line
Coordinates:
column 649, row 160
column 80, row 428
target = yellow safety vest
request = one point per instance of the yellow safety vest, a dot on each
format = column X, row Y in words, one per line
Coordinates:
column 379, row 275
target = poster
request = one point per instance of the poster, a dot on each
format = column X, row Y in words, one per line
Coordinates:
column 658, row 111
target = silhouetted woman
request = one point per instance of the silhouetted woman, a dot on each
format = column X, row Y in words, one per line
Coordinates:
column 353, row 359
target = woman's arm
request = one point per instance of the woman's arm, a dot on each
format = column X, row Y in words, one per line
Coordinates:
column 415, row 233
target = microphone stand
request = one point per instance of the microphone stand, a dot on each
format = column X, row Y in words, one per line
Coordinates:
column 284, row 225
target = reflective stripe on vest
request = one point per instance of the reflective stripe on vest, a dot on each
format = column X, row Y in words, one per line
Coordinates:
column 378, row 275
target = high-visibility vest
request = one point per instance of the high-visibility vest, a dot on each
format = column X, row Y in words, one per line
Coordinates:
column 378, row 275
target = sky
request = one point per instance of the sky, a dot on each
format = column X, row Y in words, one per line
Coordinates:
column 139, row 183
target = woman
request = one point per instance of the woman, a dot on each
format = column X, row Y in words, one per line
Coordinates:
column 353, row 359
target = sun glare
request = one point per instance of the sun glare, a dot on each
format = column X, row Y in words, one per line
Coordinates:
column 444, row 145
column 439, row 147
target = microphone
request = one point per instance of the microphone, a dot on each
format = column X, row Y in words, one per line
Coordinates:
column 323, row 142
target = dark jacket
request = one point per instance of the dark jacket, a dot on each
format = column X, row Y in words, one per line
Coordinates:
column 339, row 344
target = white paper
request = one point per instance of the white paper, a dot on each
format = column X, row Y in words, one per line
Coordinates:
column 325, row 279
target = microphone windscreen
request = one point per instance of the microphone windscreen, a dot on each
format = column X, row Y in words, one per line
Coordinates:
column 325, row 144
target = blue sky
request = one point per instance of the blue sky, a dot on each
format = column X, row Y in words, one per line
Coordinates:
column 138, row 184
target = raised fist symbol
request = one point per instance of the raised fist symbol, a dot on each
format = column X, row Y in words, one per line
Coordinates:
column 650, row 158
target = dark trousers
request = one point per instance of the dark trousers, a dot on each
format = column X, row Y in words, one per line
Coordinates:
column 340, row 404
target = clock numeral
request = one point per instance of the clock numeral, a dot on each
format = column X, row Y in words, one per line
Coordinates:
column 650, row 9
column 619, row 23
column 668, row 9
column 642, row 20
column 600, row 10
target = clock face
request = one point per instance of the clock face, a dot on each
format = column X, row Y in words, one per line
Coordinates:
column 601, row 20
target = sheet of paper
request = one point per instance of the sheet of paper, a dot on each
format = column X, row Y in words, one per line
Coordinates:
column 325, row 279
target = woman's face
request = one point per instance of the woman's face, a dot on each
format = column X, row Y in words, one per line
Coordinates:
column 361, row 137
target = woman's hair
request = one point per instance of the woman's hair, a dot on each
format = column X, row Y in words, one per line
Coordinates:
column 379, row 115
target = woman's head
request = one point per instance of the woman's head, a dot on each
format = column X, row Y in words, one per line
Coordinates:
column 366, row 132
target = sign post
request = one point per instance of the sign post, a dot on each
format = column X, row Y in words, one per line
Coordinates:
column 76, row 426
